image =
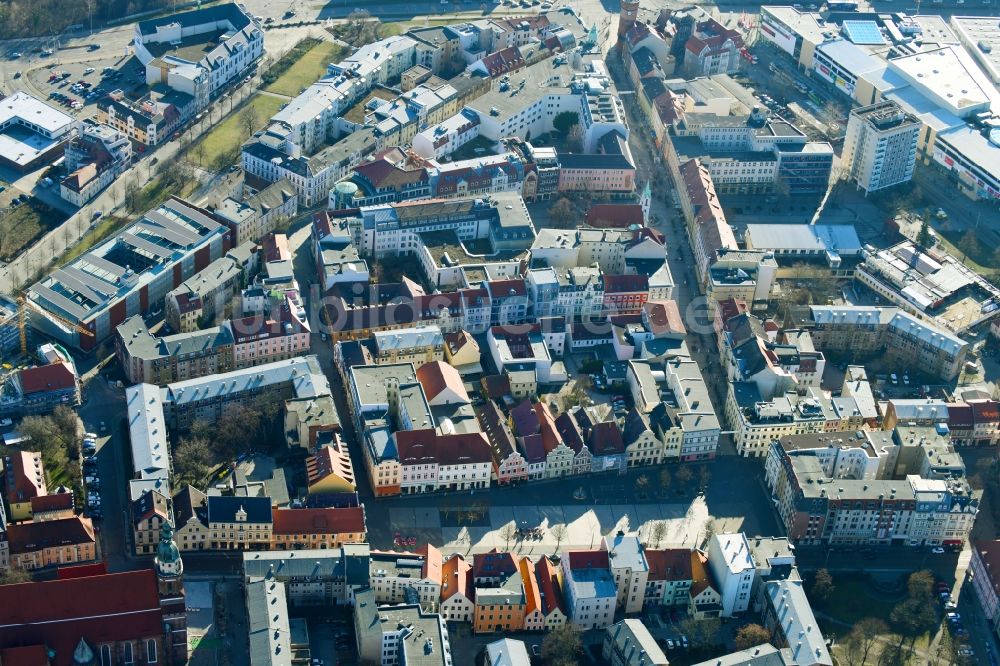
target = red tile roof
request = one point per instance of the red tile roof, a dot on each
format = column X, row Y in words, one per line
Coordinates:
column 425, row 446
column 669, row 564
column 437, row 376
column 493, row 564
column 960, row 415
column 29, row 655
column 100, row 609
column 25, row 476
column 350, row 520
column 275, row 247
column 548, row 586
column 503, row 61
column 57, row 502
column 505, row 288
column 985, row 411
column 391, row 169
column 329, row 460
column 433, row 563
column 605, row 439
column 53, row 377
column 456, row 579
column 529, row 581
column 664, row 317
column 587, row 559
column 32, row 537
column 614, row 216
column 621, row 284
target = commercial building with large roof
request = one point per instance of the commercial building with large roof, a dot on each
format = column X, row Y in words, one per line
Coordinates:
column 128, row 274
column 31, row 131
column 981, row 37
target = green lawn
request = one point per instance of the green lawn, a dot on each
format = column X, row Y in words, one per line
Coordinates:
column 221, row 146
column 309, row 68
column 107, row 226
column 21, row 226
column 853, row 599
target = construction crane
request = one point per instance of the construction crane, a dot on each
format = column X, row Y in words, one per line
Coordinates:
column 23, row 304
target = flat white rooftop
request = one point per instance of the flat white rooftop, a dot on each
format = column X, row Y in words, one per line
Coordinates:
column 981, row 35
column 946, row 77
column 32, row 113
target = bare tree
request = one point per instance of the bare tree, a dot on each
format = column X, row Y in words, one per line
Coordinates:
column 132, row 196
column 866, row 633
column 574, row 138
column 563, row 213
column 657, row 532
column 507, row 533
column 665, row 479
column 559, row 532
column 248, row 118
column 709, row 530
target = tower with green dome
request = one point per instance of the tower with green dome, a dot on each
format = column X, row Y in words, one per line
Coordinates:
column 168, row 563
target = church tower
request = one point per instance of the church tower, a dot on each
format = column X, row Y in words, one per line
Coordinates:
column 626, row 19
column 169, row 565
column 170, row 580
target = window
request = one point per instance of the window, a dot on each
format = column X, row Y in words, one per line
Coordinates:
column 106, row 655
column 151, row 651
column 127, row 651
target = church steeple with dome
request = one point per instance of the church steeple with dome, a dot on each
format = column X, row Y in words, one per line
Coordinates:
column 169, row 565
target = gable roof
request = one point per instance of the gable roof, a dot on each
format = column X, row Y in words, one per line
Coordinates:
column 548, row 586
column 493, row 564
column 588, row 559
column 223, row 509
column 669, row 564
column 24, row 476
column 437, row 376
column 55, row 502
column 100, row 609
column 532, row 594
column 32, row 537
column 52, row 377
column 347, row 520
column 605, row 439
column 614, row 216
column 456, row 578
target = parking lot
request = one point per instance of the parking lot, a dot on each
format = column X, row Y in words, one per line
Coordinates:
column 77, row 86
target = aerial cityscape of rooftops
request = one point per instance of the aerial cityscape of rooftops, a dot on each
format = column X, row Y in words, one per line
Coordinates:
column 516, row 332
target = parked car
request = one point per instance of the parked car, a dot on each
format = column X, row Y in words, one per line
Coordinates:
column 937, row 550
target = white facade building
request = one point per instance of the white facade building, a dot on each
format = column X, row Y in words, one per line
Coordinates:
column 880, row 147
column 732, row 567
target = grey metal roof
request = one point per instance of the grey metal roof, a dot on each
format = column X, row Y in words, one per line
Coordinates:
column 350, row 562
column 269, row 633
column 798, row 623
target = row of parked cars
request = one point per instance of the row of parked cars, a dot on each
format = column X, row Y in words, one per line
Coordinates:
column 91, row 478
column 954, row 619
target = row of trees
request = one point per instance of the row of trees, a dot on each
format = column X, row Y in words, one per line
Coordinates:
column 889, row 641
column 40, row 18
